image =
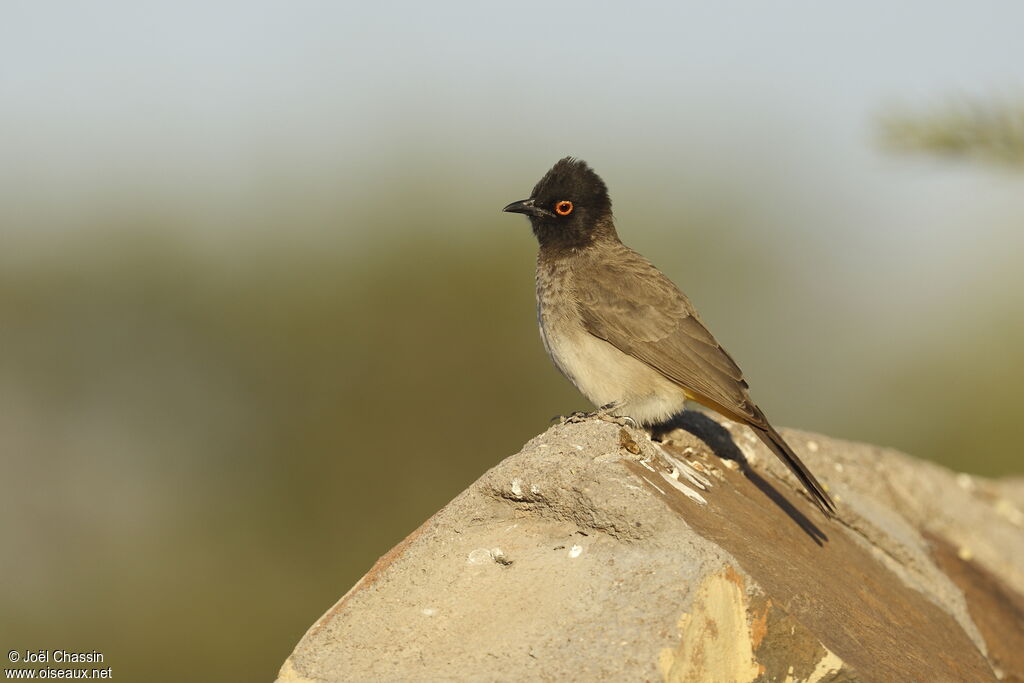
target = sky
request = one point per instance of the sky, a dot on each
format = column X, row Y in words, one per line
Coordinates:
column 220, row 116
column 198, row 101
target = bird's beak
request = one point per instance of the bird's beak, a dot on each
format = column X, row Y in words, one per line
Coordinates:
column 527, row 206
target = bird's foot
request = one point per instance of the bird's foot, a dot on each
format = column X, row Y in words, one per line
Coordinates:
column 605, row 413
column 601, row 413
column 573, row 418
column 621, row 420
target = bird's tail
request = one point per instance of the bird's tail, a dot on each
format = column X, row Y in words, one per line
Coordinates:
column 774, row 441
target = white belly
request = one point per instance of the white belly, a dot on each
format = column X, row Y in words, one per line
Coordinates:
column 606, row 375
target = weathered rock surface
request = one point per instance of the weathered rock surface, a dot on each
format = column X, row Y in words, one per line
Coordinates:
column 589, row 555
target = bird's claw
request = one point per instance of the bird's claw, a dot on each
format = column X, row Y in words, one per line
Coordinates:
column 580, row 416
column 621, row 420
column 573, row 418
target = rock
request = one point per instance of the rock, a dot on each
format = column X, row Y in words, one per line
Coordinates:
column 593, row 554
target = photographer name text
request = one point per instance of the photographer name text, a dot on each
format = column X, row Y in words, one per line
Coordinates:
column 56, row 657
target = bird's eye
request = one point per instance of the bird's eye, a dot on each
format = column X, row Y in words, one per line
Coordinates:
column 563, row 208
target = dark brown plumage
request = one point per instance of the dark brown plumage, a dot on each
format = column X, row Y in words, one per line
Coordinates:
column 620, row 330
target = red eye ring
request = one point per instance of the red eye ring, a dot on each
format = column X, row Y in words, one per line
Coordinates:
column 563, row 208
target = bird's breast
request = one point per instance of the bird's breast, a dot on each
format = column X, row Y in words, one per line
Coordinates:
column 602, row 372
column 557, row 317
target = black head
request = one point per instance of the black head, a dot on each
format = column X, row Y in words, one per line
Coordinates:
column 569, row 207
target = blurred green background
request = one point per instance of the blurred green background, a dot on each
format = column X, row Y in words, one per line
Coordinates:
column 260, row 315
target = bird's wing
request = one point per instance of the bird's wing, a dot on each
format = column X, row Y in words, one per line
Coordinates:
column 635, row 308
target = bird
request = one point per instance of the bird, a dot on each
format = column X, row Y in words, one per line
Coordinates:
column 620, row 330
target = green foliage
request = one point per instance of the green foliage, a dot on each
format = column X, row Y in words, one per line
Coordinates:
column 203, row 450
column 989, row 131
column 221, row 454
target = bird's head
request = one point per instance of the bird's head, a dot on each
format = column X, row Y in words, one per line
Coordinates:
column 569, row 207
